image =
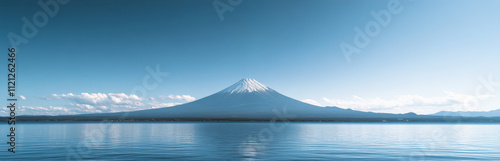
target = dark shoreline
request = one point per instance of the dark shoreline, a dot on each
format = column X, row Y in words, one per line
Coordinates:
column 433, row 119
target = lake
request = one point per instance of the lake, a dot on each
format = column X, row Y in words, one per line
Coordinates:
column 254, row 141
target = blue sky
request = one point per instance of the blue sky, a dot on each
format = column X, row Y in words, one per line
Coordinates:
column 429, row 58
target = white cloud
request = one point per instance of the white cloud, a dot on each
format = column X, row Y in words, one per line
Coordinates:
column 99, row 98
column 85, row 106
column 412, row 103
column 37, row 110
column 160, row 105
column 312, row 102
column 180, row 97
column 103, row 102
column 22, row 97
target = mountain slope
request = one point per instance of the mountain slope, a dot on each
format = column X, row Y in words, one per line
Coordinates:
column 249, row 99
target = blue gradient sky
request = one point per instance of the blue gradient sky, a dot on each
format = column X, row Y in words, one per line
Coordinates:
column 428, row 59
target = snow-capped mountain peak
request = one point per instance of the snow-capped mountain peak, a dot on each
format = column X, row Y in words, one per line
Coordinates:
column 246, row 85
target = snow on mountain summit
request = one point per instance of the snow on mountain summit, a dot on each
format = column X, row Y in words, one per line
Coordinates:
column 246, row 85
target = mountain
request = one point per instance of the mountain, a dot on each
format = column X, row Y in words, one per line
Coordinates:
column 493, row 113
column 248, row 99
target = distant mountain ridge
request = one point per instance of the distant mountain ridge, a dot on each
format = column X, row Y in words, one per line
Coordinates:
column 493, row 113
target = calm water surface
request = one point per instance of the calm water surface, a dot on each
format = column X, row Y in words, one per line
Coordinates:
column 254, row 141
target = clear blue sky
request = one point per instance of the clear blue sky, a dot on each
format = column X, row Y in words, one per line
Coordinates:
column 428, row 58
